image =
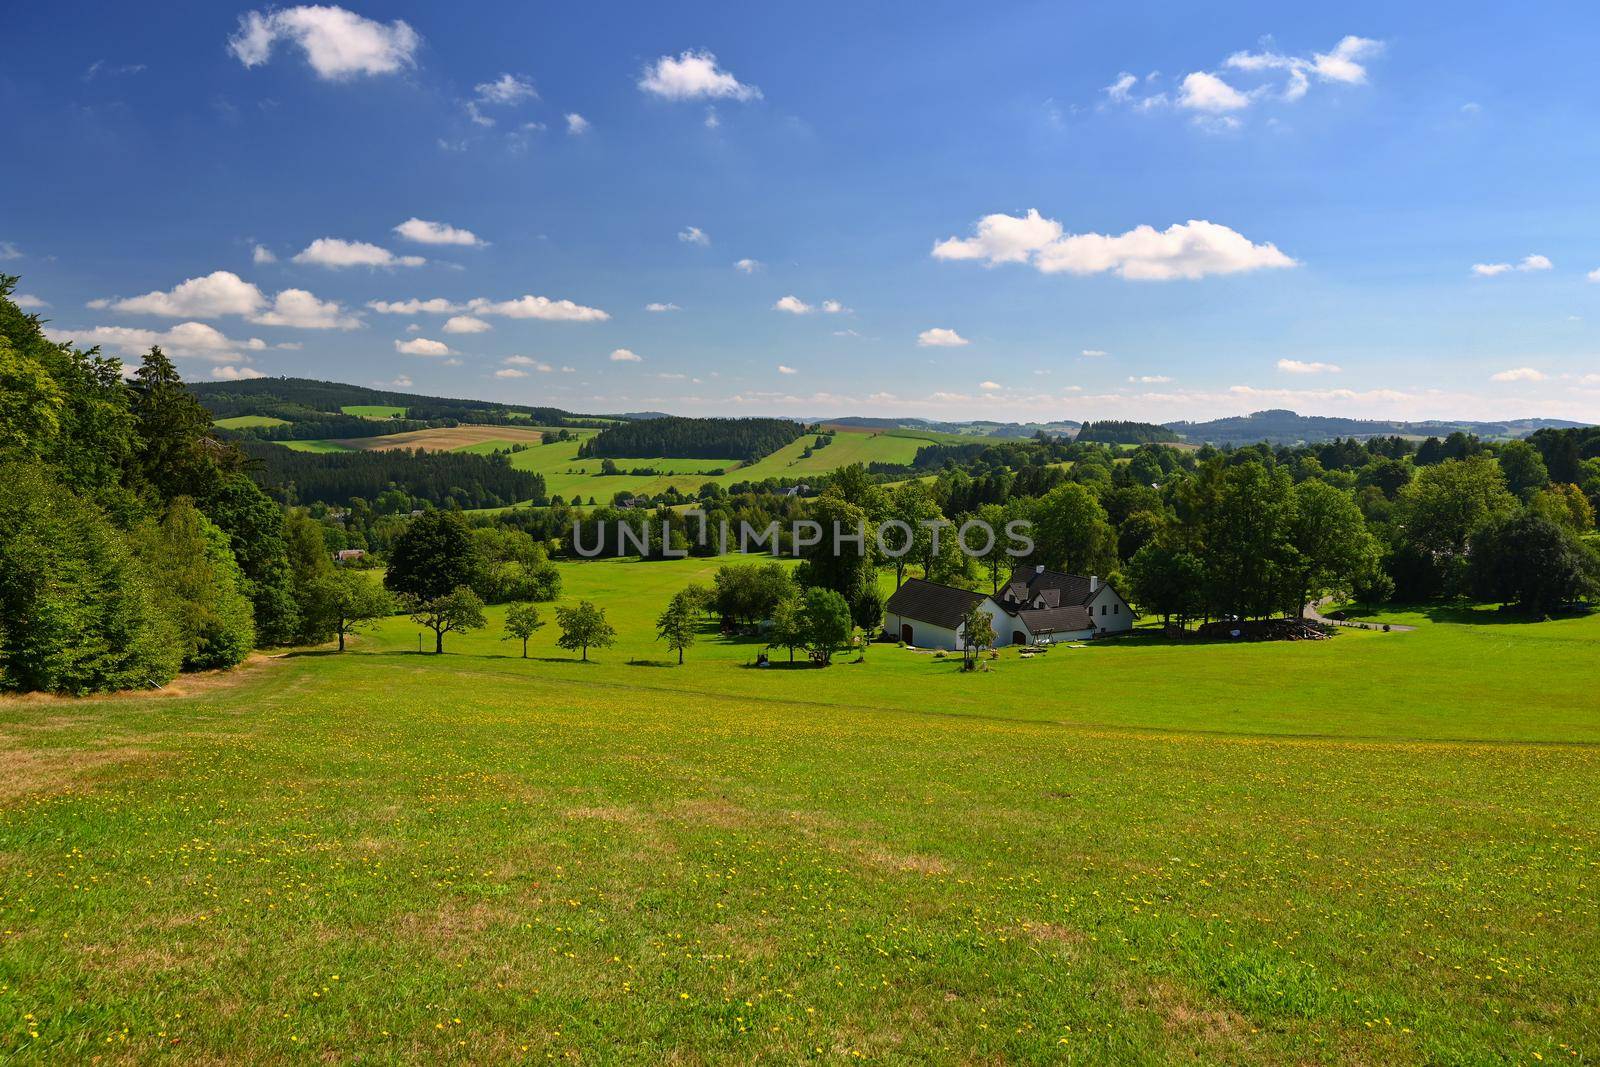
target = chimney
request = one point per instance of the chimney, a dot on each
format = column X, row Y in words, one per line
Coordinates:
column 1094, row 582
column 1038, row 568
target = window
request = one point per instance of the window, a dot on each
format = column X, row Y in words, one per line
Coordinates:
column 1116, row 609
column 1102, row 609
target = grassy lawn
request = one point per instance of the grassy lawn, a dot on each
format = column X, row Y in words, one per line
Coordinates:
column 374, row 411
column 1381, row 847
column 241, row 422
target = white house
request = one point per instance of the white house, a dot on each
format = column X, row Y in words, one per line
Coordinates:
column 929, row 615
column 1035, row 606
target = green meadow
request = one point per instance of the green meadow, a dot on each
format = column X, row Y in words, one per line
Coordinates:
column 566, row 475
column 242, row 422
column 374, row 411
column 1379, row 848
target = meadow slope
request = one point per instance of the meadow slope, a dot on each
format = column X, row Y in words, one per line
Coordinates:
column 1359, row 850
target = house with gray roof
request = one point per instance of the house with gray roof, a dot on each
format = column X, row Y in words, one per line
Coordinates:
column 1035, row 606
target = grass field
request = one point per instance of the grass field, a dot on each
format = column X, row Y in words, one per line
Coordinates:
column 316, row 446
column 1384, row 847
column 567, row 476
column 241, row 422
column 374, row 411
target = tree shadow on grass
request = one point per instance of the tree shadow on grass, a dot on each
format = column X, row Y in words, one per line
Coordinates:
column 1465, row 613
column 652, row 663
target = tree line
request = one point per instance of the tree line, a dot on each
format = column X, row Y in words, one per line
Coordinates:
column 686, row 438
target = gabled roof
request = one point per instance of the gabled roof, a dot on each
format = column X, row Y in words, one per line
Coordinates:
column 1066, row 589
column 1057, row 620
column 941, row 605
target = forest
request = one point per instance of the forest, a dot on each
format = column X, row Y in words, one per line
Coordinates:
column 446, row 479
column 675, row 437
column 1119, row 432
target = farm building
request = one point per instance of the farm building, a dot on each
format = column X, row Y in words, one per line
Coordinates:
column 1034, row 606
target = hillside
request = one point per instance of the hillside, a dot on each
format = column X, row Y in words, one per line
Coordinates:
column 283, row 398
column 1279, row 426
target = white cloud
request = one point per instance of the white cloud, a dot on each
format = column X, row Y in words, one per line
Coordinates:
column 421, row 346
column 793, row 305
column 436, row 233
column 187, row 339
column 748, row 266
column 465, row 324
column 29, row 302
column 302, row 310
column 1518, row 374
column 506, row 89
column 262, row 254
column 786, row 370
column 990, row 387
column 1192, row 249
column 1295, row 366
column 939, row 337
column 337, row 43
column 694, row 235
column 336, row 254
column 662, row 307
column 538, row 307
column 694, row 75
column 712, row 119
column 529, row 361
column 1095, row 353
column 436, row 306
column 510, row 372
column 1149, row 379
column 231, row 373
column 8, row 250
column 1207, row 92
column 1342, row 64
column 1594, row 275
column 402, row 382
column 577, row 124
column 219, row 293
column 622, row 355
column 1532, row 262
column 833, row 307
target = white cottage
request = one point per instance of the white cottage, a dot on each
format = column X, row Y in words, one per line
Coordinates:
column 1035, row 606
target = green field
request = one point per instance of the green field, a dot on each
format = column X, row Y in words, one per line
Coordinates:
column 565, row 474
column 1384, row 847
column 316, row 446
column 374, row 411
column 241, row 422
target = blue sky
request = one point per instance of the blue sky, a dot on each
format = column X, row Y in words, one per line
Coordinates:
column 1371, row 209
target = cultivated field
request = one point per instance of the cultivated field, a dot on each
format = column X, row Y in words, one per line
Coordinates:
column 446, row 438
column 1384, row 847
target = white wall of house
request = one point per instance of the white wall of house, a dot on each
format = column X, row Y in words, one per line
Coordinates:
column 1111, row 613
column 927, row 635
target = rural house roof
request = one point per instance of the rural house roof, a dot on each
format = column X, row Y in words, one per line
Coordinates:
column 1057, row 620
column 1058, row 589
column 941, row 605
